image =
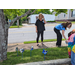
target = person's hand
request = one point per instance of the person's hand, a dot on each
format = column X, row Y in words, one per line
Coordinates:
column 43, row 17
column 66, row 41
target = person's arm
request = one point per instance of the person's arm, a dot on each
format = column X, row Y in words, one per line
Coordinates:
column 44, row 20
column 64, row 35
column 36, row 29
column 36, row 26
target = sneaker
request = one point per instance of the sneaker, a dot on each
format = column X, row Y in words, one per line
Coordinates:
column 42, row 43
column 59, row 45
column 37, row 44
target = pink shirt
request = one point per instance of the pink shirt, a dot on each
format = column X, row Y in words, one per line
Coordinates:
column 70, row 39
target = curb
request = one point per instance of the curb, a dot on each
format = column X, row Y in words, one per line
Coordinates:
column 66, row 61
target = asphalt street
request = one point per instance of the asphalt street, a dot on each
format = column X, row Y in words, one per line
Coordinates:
column 28, row 33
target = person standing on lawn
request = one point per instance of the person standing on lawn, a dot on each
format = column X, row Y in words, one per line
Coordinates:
column 40, row 27
column 63, row 27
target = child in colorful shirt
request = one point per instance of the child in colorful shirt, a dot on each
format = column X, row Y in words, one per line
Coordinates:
column 71, row 46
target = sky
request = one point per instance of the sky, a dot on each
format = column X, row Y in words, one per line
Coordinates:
column 51, row 10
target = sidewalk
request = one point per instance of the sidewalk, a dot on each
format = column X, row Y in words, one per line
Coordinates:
column 12, row 47
column 33, row 25
column 66, row 61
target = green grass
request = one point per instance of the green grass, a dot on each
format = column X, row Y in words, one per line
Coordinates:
column 16, row 26
column 63, row 21
column 73, row 21
column 46, row 40
column 51, row 21
column 37, row 55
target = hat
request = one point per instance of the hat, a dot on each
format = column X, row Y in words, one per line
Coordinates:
column 73, row 30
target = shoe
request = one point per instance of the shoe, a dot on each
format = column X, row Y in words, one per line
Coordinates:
column 42, row 43
column 37, row 44
column 59, row 45
column 69, row 56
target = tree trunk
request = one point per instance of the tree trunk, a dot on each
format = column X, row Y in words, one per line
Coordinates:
column 4, row 33
column 3, row 37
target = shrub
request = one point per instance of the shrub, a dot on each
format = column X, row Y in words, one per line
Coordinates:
column 51, row 21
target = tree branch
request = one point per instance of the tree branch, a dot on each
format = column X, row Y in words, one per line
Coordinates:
column 33, row 11
column 20, row 17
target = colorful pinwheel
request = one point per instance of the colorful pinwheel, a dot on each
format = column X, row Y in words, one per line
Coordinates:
column 31, row 50
column 22, row 50
column 17, row 50
column 44, row 52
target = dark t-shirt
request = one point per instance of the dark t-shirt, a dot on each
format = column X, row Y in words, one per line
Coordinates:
column 40, row 25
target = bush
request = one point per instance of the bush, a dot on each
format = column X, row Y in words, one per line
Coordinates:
column 20, row 22
column 51, row 21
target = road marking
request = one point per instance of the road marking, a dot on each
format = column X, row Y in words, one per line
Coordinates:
column 26, row 32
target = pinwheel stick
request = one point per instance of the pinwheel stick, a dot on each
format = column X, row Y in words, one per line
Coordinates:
column 22, row 55
column 44, row 57
column 30, row 52
column 17, row 53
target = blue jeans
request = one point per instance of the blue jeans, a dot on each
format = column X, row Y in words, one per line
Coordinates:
column 72, row 58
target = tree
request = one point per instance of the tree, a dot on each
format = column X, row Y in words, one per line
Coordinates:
column 12, row 13
column 44, row 11
column 4, row 31
column 58, row 11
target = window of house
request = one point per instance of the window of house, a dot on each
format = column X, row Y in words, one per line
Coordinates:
column 64, row 15
column 73, row 14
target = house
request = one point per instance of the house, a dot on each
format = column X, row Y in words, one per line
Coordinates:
column 33, row 18
column 70, row 16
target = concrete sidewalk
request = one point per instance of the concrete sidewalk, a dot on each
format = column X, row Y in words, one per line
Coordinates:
column 66, row 61
column 12, row 47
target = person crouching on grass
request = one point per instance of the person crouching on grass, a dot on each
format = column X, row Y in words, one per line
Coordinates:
column 61, row 27
column 40, row 27
column 71, row 46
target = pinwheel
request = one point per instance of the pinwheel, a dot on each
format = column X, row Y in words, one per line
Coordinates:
column 44, row 52
column 17, row 50
column 31, row 50
column 22, row 50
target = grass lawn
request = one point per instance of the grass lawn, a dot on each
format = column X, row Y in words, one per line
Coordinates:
column 16, row 26
column 73, row 21
column 37, row 55
column 63, row 21
column 46, row 40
